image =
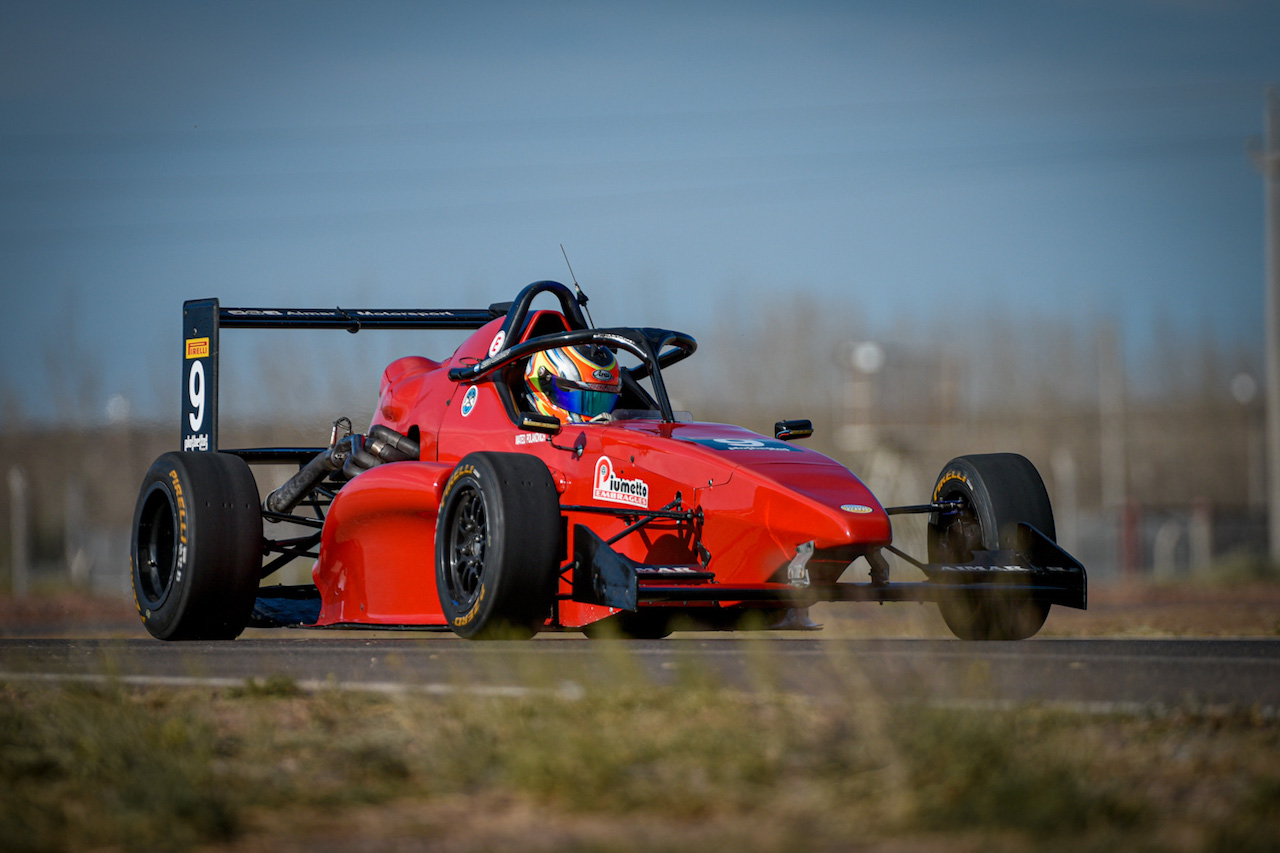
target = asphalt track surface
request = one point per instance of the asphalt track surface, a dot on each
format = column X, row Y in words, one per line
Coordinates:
column 1093, row 674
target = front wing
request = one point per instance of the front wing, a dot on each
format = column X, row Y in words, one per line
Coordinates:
column 1041, row 570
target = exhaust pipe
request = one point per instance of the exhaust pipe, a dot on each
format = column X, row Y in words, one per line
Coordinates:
column 352, row 455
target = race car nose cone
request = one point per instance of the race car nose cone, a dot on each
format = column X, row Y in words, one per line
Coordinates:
column 830, row 500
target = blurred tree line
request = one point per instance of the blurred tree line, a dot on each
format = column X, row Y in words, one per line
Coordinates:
column 1141, row 444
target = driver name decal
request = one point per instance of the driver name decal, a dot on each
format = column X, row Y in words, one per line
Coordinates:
column 614, row 489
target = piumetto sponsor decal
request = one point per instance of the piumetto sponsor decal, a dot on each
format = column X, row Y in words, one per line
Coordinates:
column 614, row 489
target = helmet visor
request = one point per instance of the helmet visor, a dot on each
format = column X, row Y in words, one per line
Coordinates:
column 581, row 401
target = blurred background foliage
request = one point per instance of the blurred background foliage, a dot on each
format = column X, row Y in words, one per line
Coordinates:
column 1154, row 470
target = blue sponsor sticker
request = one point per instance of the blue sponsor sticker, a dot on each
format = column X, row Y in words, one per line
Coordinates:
column 469, row 401
column 736, row 444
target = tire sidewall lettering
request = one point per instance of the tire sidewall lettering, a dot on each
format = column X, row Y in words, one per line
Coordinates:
column 462, row 475
column 180, row 502
column 952, row 476
column 161, row 611
column 466, row 619
column 458, row 473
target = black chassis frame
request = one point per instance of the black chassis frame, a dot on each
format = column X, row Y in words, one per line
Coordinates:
column 600, row 575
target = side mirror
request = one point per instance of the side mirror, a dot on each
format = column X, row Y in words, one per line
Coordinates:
column 791, row 430
column 545, row 424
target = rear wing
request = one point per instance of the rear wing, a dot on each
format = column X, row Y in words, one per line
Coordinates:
column 204, row 319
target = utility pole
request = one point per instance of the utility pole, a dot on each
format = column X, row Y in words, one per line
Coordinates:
column 1115, row 482
column 19, row 496
column 1111, row 394
column 1269, row 164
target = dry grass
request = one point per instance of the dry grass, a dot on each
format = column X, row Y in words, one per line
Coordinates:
column 635, row 767
column 639, row 767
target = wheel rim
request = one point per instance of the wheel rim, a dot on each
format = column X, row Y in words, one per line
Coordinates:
column 468, row 539
column 963, row 533
column 157, row 547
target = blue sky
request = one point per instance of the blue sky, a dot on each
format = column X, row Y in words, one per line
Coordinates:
column 914, row 159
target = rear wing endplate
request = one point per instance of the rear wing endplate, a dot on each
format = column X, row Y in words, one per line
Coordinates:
column 204, row 319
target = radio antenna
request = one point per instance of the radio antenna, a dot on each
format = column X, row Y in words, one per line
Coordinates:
column 582, row 297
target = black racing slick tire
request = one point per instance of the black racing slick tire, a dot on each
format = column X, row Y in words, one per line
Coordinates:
column 995, row 491
column 196, row 552
column 498, row 544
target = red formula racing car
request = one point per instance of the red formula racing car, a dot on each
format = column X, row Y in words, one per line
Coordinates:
column 538, row 480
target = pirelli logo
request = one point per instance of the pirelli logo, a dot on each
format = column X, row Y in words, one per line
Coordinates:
column 197, row 347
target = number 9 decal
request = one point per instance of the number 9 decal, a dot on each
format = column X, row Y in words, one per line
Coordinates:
column 195, row 391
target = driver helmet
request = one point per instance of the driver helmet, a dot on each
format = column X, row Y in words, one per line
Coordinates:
column 574, row 384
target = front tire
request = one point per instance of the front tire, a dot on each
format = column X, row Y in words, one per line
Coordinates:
column 996, row 491
column 498, row 546
column 196, row 550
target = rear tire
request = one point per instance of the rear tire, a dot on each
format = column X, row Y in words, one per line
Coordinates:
column 497, row 546
column 997, row 490
column 196, row 551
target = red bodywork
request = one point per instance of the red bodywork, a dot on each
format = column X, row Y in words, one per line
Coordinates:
column 760, row 498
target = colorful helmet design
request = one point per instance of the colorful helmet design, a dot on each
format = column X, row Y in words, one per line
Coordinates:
column 574, row 384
